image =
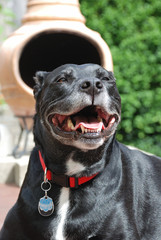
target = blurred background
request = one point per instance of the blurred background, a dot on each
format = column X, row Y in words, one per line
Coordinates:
column 132, row 30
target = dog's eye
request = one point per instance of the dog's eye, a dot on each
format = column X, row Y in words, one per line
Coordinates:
column 106, row 78
column 61, row 80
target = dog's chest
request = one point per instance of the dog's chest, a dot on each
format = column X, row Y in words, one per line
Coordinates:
column 57, row 228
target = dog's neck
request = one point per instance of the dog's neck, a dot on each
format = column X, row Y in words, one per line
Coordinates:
column 63, row 159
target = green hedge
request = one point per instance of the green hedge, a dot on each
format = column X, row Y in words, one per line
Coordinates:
column 132, row 29
column 6, row 19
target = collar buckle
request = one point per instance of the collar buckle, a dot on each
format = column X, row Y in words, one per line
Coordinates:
column 62, row 180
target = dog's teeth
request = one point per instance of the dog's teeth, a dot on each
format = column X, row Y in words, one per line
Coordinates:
column 86, row 130
column 70, row 124
column 99, row 130
column 112, row 120
column 99, row 119
column 82, row 128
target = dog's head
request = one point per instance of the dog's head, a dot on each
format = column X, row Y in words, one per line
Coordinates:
column 79, row 105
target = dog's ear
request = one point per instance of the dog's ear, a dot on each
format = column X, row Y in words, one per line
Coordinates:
column 39, row 81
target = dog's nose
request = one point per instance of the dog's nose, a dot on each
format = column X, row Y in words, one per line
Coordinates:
column 91, row 86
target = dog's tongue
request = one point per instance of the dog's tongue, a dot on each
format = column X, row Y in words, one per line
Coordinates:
column 90, row 123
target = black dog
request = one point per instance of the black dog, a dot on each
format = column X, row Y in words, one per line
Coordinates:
column 81, row 183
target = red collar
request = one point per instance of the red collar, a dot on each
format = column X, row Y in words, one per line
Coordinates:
column 64, row 180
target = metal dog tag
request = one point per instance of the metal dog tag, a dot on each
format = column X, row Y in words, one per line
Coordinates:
column 46, row 206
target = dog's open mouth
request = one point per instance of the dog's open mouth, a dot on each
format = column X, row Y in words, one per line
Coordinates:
column 89, row 120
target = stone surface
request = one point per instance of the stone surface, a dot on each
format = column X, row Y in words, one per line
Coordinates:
column 11, row 170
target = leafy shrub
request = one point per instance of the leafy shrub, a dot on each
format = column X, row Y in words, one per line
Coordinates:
column 132, row 29
column 6, row 19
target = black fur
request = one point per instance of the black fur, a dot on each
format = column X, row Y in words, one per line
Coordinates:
column 123, row 202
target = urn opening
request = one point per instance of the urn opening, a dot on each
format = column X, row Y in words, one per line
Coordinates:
column 49, row 50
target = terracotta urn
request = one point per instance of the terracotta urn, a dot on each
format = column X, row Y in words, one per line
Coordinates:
column 53, row 33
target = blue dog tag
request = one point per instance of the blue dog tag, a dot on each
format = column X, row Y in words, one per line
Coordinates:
column 46, row 206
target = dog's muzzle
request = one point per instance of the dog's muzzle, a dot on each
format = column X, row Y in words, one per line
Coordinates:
column 90, row 122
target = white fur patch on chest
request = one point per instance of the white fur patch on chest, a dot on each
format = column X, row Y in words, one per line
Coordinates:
column 74, row 167
column 63, row 206
column 62, row 213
